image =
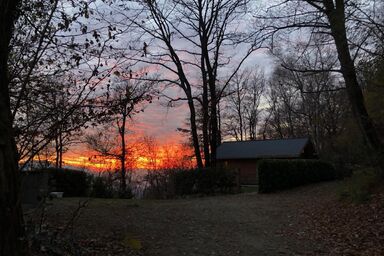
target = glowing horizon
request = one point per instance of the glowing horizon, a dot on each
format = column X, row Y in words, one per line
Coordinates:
column 161, row 157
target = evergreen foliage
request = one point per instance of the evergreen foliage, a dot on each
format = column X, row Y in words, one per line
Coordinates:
column 283, row 174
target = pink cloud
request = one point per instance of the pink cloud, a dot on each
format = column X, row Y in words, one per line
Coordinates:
column 160, row 122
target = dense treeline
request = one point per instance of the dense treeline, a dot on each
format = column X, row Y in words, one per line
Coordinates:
column 102, row 78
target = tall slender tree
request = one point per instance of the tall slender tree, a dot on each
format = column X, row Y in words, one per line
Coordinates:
column 125, row 100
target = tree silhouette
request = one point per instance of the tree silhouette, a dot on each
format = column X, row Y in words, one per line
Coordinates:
column 12, row 240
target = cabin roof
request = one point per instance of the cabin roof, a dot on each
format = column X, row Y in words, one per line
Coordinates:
column 278, row 148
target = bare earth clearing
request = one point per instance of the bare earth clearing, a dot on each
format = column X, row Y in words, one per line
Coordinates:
column 242, row 224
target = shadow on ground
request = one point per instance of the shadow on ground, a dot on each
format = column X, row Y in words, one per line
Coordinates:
column 242, row 224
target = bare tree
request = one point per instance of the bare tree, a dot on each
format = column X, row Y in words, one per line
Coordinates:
column 150, row 150
column 242, row 110
column 124, row 101
column 307, row 104
column 51, row 100
column 193, row 43
column 342, row 24
column 254, row 98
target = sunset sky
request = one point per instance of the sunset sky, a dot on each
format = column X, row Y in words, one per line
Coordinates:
column 157, row 120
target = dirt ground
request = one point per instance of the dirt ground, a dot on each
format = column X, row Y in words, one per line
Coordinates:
column 241, row 224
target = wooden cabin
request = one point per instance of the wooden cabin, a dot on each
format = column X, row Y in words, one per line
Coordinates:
column 245, row 155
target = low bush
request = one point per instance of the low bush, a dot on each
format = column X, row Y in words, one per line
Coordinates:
column 359, row 187
column 107, row 185
column 283, row 174
column 182, row 182
column 158, row 184
column 101, row 188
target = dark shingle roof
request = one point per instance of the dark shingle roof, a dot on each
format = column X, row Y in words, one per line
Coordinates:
column 281, row 148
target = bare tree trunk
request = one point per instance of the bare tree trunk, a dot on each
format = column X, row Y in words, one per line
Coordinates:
column 195, row 138
column 219, row 120
column 12, row 240
column 188, row 92
column 207, row 156
column 210, row 73
column 60, row 149
column 205, row 109
column 214, row 126
column 123, row 182
column 57, row 152
column 336, row 17
column 239, row 112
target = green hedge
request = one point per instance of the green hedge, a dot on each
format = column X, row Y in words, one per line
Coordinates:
column 283, row 174
column 183, row 181
column 211, row 180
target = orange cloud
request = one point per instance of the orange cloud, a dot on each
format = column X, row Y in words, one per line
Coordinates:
column 148, row 157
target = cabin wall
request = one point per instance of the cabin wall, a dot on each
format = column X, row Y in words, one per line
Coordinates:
column 247, row 170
